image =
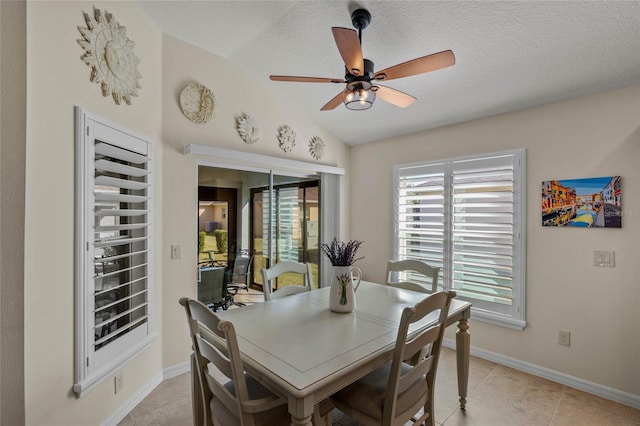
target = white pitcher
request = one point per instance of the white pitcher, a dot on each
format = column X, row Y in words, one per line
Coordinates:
column 342, row 294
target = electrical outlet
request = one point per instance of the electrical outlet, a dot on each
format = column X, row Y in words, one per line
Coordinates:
column 564, row 338
column 176, row 252
column 118, row 382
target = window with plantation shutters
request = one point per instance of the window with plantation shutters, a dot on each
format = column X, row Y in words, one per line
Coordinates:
column 113, row 276
column 467, row 217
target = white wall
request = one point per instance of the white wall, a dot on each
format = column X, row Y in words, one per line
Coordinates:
column 57, row 79
column 235, row 93
column 585, row 137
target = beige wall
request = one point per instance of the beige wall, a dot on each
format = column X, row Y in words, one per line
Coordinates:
column 13, row 90
column 57, row 79
column 585, row 137
column 235, row 94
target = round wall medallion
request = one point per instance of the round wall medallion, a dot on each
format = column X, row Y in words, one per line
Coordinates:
column 109, row 53
column 247, row 129
column 286, row 138
column 198, row 103
column 316, row 147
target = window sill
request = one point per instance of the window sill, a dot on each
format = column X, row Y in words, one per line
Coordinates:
column 94, row 379
column 497, row 319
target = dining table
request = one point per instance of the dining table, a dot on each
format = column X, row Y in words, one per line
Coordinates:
column 303, row 352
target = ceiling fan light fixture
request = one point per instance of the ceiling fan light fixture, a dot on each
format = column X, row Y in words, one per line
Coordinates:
column 360, row 96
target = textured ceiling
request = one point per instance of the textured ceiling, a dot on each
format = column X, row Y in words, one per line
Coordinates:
column 509, row 55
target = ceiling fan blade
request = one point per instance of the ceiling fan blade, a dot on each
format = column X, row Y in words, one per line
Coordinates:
column 335, row 102
column 349, row 46
column 305, row 79
column 395, row 97
column 417, row 66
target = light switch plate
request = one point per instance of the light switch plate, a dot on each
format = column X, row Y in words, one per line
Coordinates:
column 176, row 252
column 604, row 258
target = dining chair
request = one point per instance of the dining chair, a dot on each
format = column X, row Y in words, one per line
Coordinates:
column 286, row 267
column 225, row 395
column 425, row 281
column 212, row 287
column 394, row 393
column 241, row 268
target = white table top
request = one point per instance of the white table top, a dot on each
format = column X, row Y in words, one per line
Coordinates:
column 301, row 344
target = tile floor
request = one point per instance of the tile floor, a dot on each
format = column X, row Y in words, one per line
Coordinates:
column 498, row 396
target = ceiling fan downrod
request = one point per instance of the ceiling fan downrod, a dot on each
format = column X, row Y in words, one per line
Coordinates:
column 360, row 18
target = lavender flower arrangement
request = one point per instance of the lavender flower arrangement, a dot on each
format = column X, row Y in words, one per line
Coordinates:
column 341, row 253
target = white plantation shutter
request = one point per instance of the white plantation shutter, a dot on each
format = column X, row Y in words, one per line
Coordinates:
column 466, row 216
column 114, row 219
column 421, row 215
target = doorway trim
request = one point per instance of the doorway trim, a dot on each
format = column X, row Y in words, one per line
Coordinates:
column 279, row 164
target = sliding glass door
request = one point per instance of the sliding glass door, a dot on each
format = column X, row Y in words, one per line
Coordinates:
column 286, row 214
column 274, row 217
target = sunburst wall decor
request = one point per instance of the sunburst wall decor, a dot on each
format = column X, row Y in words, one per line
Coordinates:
column 198, row 103
column 109, row 53
column 286, row 138
column 247, row 128
column 316, row 147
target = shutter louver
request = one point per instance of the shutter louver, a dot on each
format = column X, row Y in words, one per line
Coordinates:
column 482, row 229
column 421, row 215
column 121, row 240
column 288, row 223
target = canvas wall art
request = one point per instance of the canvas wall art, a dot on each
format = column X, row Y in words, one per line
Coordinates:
column 587, row 203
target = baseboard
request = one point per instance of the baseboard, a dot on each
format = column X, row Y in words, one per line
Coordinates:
column 176, row 370
column 117, row 416
column 144, row 391
column 555, row 376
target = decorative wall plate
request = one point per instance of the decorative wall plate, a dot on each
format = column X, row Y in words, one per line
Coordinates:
column 316, row 147
column 286, row 138
column 198, row 103
column 109, row 53
column 247, row 128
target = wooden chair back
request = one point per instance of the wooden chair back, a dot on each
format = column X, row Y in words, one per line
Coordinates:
column 403, row 378
column 426, row 280
column 268, row 275
column 215, row 342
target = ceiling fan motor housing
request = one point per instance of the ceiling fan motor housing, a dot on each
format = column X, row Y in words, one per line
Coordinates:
column 366, row 76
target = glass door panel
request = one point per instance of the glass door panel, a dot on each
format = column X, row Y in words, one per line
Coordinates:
column 224, row 214
column 294, row 219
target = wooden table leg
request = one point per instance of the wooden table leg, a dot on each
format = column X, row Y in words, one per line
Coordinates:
column 463, row 349
column 301, row 410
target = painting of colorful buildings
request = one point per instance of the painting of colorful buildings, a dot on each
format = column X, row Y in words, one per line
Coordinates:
column 587, row 203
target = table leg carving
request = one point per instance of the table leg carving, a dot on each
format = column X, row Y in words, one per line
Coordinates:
column 463, row 349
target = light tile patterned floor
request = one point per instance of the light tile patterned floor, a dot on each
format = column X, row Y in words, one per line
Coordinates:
column 498, row 396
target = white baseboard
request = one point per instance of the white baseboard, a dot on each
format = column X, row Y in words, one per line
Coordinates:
column 176, row 370
column 117, row 416
column 555, row 376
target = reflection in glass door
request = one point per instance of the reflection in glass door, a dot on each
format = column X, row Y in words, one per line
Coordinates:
column 294, row 219
column 238, row 201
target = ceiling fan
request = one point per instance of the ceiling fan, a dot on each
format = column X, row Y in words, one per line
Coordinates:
column 361, row 80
